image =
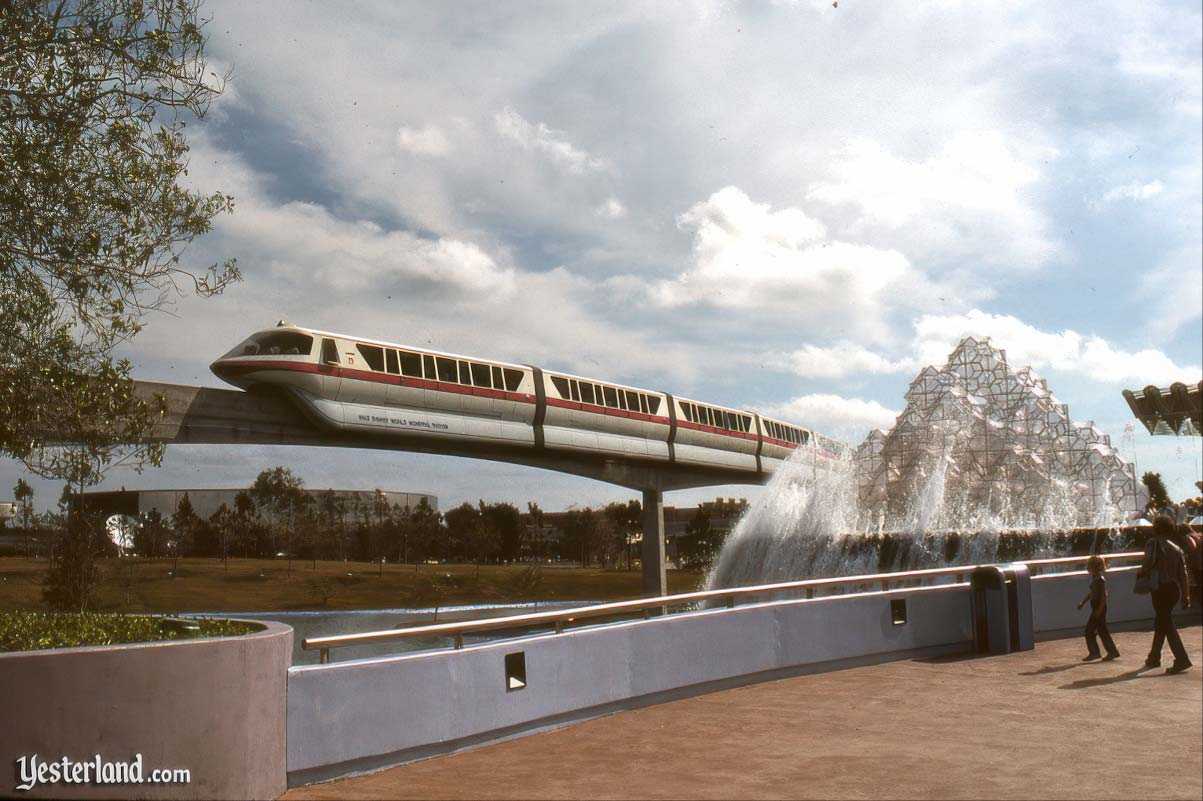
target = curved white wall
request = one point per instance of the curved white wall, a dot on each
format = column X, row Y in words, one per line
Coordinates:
column 213, row 706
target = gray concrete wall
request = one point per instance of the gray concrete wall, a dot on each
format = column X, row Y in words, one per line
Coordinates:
column 354, row 716
column 1055, row 600
column 214, row 706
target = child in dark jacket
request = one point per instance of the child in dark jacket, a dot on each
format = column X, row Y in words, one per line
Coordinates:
column 1097, row 623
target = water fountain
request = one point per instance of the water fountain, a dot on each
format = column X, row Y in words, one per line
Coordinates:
column 983, row 464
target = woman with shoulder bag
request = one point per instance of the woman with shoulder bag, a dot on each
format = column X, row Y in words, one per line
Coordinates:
column 1163, row 575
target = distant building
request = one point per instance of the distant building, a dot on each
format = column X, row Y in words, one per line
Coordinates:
column 207, row 501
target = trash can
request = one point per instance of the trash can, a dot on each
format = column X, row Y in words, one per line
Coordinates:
column 1002, row 609
column 1019, row 606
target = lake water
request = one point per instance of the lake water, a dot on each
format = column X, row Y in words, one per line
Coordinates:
column 326, row 623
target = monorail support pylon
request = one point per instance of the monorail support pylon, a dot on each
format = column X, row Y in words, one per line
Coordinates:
column 655, row 579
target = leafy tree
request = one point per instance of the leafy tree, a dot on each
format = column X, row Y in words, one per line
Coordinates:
column 94, row 221
column 332, row 513
column 23, row 495
column 425, row 530
column 1159, row 497
column 185, row 525
column 243, row 521
column 701, row 544
column 580, row 534
column 461, row 523
column 71, row 582
column 506, row 523
column 282, row 495
column 534, row 516
column 483, row 538
column 150, row 538
column 624, row 520
column 221, row 522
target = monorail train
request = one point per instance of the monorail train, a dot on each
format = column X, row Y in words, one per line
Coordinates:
column 353, row 384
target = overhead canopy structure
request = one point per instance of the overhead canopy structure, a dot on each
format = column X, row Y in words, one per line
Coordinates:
column 1176, row 410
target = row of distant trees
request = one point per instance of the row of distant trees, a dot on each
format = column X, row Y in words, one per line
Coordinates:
column 276, row 515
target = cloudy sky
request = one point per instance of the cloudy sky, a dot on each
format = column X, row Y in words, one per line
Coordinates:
column 790, row 207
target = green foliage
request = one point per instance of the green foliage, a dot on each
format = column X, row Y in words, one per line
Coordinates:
column 701, row 544
column 94, row 220
column 625, row 519
column 73, row 576
column 30, row 631
column 580, row 534
column 1158, row 495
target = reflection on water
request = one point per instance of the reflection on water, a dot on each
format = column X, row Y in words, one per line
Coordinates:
column 354, row 621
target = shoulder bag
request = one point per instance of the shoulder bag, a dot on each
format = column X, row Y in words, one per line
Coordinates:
column 1147, row 581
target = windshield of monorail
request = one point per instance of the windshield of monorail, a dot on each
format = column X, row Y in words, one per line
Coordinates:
column 275, row 343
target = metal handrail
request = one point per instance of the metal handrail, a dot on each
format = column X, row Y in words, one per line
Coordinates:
column 558, row 618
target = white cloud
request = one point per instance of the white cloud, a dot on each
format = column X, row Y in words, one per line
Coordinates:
column 1130, row 191
column 612, row 209
column 842, row 360
column 1173, row 291
column 547, row 142
column 304, row 242
column 748, row 256
column 429, row 140
column 849, row 418
column 1068, row 351
column 974, row 197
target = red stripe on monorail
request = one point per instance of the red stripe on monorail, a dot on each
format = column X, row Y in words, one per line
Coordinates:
column 780, row 442
column 713, row 430
column 595, row 409
column 378, row 378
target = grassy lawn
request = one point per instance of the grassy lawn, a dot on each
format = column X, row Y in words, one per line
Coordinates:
column 204, row 585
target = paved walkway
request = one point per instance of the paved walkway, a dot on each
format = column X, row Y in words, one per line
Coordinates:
column 1039, row 724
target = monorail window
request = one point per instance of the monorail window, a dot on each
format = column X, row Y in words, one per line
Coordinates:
column 373, row 355
column 633, row 401
column 747, row 423
column 481, row 376
column 428, row 365
column 561, row 386
column 653, row 404
column 643, row 403
column 586, row 392
column 611, row 397
column 513, row 380
column 622, row 400
column 279, row 343
column 448, row 370
column 465, row 374
column 685, row 410
column 411, row 364
column 390, row 361
column 576, row 390
column 329, row 351
column 498, row 381
column 805, row 436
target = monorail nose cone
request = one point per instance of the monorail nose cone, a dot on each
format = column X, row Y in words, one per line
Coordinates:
column 222, row 370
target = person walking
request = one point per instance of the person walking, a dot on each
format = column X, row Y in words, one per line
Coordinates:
column 1097, row 623
column 1164, row 561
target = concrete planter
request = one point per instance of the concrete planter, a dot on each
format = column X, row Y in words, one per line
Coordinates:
column 214, row 707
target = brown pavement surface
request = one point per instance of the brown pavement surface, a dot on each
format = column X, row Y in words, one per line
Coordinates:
column 1038, row 724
